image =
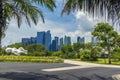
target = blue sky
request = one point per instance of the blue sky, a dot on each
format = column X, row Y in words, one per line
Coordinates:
column 75, row 24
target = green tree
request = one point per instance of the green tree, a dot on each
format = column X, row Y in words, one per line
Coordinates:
column 35, row 47
column 88, row 45
column 95, row 53
column 105, row 34
column 66, row 51
column 118, row 40
column 116, row 53
column 17, row 45
column 77, row 47
column 21, row 9
column 85, row 54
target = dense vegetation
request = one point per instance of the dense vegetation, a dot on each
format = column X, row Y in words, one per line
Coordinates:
column 30, row 59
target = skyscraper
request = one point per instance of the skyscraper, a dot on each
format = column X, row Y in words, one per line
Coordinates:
column 67, row 40
column 56, row 39
column 61, row 42
column 80, row 40
column 94, row 41
column 26, row 41
column 47, row 40
column 33, row 40
column 41, row 38
column 53, row 45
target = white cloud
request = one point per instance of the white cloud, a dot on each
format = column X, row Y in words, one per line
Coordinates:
column 85, row 25
column 82, row 28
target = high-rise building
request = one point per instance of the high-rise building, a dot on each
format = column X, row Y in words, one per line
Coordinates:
column 57, row 46
column 33, row 40
column 53, row 45
column 94, row 41
column 26, row 41
column 61, row 42
column 47, row 40
column 67, row 40
column 80, row 40
column 41, row 38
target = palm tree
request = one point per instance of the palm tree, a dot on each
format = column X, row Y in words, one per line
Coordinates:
column 110, row 9
column 22, row 9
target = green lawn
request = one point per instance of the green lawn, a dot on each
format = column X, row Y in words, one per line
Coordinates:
column 30, row 59
column 102, row 61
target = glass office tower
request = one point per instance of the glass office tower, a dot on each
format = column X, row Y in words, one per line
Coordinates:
column 48, row 40
column 41, row 37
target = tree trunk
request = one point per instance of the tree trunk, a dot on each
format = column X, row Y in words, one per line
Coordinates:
column 1, row 21
column 109, row 54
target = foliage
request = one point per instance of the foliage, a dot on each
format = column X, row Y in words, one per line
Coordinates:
column 22, row 10
column 96, row 8
column 58, row 54
column 78, row 46
column 116, row 54
column 106, row 35
column 85, row 55
column 88, row 45
column 17, row 45
column 3, row 52
column 95, row 53
column 65, row 50
column 35, row 47
column 25, row 8
column 118, row 40
column 30, row 59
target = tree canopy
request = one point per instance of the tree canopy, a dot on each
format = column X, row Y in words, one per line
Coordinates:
column 106, row 35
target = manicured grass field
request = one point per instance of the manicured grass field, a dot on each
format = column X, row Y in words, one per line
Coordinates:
column 30, row 59
column 102, row 61
column 105, row 61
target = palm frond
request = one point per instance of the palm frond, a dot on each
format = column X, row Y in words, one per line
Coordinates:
column 96, row 8
column 50, row 4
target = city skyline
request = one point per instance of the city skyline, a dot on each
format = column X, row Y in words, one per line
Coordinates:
column 59, row 26
column 53, row 44
column 72, row 25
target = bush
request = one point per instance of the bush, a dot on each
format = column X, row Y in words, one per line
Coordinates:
column 58, row 54
column 116, row 54
column 35, row 47
column 71, row 55
column 3, row 52
column 17, row 45
column 30, row 59
column 95, row 53
column 85, row 55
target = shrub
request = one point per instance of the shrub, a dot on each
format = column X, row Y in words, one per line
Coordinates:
column 116, row 54
column 85, row 55
column 35, row 47
column 30, row 59
column 95, row 53
column 58, row 54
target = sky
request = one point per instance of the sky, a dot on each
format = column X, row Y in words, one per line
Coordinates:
column 73, row 25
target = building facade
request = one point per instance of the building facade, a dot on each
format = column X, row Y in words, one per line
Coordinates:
column 61, row 42
column 41, row 38
column 48, row 40
column 67, row 40
column 94, row 41
column 80, row 40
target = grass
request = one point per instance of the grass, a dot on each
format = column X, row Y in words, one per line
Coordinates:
column 105, row 61
column 30, row 59
column 102, row 61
